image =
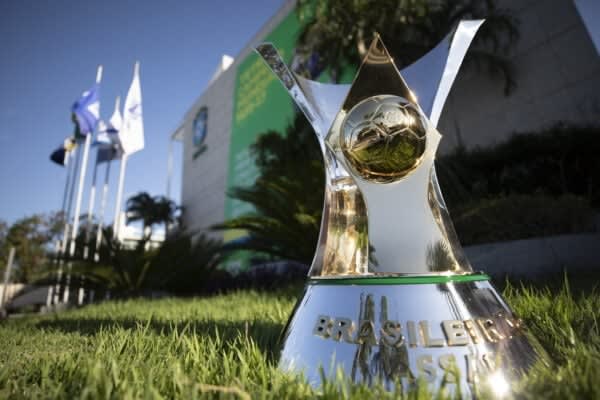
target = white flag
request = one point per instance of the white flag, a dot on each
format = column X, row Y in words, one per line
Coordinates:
column 131, row 134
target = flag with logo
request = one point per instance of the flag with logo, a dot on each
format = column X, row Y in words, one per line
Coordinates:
column 131, row 134
column 86, row 110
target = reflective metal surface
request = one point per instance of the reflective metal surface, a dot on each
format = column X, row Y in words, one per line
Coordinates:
column 392, row 296
column 460, row 332
column 343, row 246
column 431, row 77
column 383, row 138
column 406, row 227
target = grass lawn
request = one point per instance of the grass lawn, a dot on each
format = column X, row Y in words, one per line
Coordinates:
column 226, row 347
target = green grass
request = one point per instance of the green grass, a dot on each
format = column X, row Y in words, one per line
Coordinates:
column 226, row 347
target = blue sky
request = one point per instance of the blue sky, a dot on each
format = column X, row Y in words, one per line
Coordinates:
column 49, row 51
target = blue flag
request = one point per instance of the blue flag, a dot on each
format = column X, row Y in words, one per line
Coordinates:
column 86, row 110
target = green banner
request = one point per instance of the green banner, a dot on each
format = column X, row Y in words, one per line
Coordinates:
column 261, row 104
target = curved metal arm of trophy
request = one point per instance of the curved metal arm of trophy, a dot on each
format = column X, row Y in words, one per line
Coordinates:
column 342, row 246
column 389, row 146
column 431, row 77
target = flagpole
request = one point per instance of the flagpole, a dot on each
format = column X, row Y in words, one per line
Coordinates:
column 67, row 165
column 83, row 170
column 131, row 136
column 117, row 222
column 7, row 273
column 75, row 230
column 91, row 204
column 101, row 213
column 169, row 168
column 63, row 245
column 115, row 125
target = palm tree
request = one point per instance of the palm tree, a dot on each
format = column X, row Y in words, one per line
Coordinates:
column 282, row 226
column 141, row 208
column 339, row 31
column 165, row 211
column 150, row 210
column 287, row 197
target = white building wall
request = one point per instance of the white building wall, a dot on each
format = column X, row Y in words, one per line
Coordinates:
column 204, row 178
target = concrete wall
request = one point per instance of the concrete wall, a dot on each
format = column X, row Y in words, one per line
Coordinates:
column 204, row 178
column 557, row 74
column 537, row 257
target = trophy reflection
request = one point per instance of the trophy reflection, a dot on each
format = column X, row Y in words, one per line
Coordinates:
column 391, row 297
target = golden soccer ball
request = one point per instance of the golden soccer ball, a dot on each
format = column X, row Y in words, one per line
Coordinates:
column 383, row 138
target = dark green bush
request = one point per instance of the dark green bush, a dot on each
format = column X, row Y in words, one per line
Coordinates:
column 521, row 216
column 564, row 159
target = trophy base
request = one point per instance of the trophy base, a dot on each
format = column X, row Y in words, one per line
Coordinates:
column 451, row 330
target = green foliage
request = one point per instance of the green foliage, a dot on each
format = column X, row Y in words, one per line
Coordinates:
column 31, row 236
column 287, row 197
column 560, row 160
column 567, row 326
column 150, row 210
column 226, row 347
column 180, row 265
column 533, row 184
column 3, row 233
column 340, row 31
column 515, row 217
column 185, row 265
column 126, row 271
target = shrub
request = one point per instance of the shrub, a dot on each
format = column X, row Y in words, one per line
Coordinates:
column 521, row 216
column 563, row 159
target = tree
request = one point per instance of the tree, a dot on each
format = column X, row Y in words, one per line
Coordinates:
column 3, row 246
column 339, row 31
column 180, row 265
column 31, row 237
column 150, row 211
column 166, row 210
column 287, row 196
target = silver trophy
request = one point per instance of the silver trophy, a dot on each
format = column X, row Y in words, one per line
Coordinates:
column 391, row 297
